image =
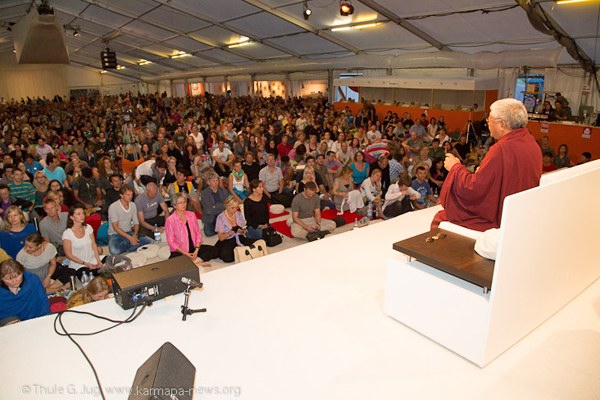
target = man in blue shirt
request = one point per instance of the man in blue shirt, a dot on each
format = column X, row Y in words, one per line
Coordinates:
column 31, row 165
column 54, row 172
column 421, row 185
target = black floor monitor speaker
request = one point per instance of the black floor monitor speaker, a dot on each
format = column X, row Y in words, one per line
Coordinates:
column 153, row 282
column 166, row 375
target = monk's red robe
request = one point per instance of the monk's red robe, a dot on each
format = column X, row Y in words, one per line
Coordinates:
column 475, row 200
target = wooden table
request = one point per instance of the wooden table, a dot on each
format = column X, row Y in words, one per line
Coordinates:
column 453, row 254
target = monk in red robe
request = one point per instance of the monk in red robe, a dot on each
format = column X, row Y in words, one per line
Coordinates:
column 513, row 164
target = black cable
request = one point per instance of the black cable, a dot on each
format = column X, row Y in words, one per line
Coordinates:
column 58, row 319
column 446, row 14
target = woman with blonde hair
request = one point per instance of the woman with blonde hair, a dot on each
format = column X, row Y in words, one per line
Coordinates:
column 16, row 230
column 238, row 182
column 96, row 290
column 231, row 228
column 40, row 182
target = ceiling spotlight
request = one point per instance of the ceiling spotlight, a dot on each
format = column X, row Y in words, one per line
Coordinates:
column 346, row 8
column 307, row 11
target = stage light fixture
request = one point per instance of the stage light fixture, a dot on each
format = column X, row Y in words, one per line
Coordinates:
column 307, row 11
column 346, row 8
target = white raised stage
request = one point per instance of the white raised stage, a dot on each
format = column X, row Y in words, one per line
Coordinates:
column 305, row 323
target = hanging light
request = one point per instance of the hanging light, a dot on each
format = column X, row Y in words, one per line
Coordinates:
column 307, row 11
column 346, row 8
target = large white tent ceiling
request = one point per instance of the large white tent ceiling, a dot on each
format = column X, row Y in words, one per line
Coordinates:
column 155, row 30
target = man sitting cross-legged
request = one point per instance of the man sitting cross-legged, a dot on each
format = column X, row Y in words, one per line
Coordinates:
column 306, row 215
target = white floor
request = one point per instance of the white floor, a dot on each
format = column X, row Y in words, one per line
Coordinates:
column 305, row 323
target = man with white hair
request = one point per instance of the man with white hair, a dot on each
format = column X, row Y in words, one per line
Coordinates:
column 513, row 164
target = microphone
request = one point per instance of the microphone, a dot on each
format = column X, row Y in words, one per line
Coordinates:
column 191, row 282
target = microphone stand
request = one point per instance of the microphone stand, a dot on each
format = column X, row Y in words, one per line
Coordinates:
column 185, row 310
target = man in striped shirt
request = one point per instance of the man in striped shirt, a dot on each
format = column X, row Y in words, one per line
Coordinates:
column 24, row 192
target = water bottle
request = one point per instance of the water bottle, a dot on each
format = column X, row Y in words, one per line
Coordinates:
column 84, row 278
column 156, row 234
column 370, row 211
column 355, row 224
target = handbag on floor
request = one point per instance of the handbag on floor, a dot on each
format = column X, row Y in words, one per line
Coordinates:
column 271, row 237
column 255, row 250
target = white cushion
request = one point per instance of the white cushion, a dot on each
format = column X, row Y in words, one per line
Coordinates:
column 487, row 244
column 137, row 259
column 149, row 251
column 164, row 253
column 277, row 208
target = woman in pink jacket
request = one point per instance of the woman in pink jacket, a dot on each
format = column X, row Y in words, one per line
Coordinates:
column 183, row 234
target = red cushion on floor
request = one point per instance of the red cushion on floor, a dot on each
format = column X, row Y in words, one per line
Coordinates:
column 348, row 216
column 283, row 228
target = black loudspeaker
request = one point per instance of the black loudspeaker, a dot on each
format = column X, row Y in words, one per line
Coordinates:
column 109, row 59
column 153, row 282
column 166, row 375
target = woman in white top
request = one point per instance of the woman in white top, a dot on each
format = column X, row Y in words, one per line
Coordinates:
column 198, row 138
column 398, row 198
column 371, row 189
column 79, row 243
column 238, row 182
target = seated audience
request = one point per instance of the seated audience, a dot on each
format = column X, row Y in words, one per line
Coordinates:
column 39, row 257
column 223, row 159
column 306, row 215
column 371, row 189
column 97, row 289
column 256, row 210
column 16, row 230
column 80, row 245
column 22, row 191
column 562, row 159
column 124, row 225
column 86, row 189
column 398, row 199
column 360, row 169
column 238, row 182
column 250, row 167
column 54, row 224
column 272, row 179
column 548, row 162
column 231, row 228
column 22, row 295
column 437, row 175
column 383, row 164
column 184, row 236
column 421, row 185
column 150, row 205
column 213, row 203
